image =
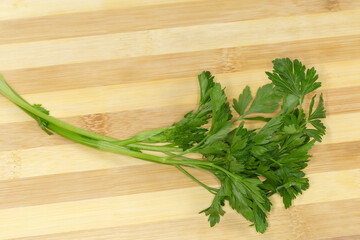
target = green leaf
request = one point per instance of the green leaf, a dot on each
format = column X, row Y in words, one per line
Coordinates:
column 313, row 133
column 220, row 108
column 236, row 166
column 318, row 125
column 220, row 125
column 287, row 75
column 292, row 188
column 289, row 103
column 312, row 104
column 189, row 130
column 291, row 129
column 290, row 77
column 206, row 82
column 309, row 84
column 319, row 111
column 215, row 210
column 299, row 154
column 215, row 148
column 220, row 134
column 244, row 100
column 258, row 151
column 266, row 100
column 260, row 219
column 238, row 144
column 240, row 138
column 295, row 140
column 268, row 130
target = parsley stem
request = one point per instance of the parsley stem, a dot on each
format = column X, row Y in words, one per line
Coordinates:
column 157, row 148
column 7, row 91
column 104, row 145
column 210, row 189
column 276, row 162
column 179, row 157
column 13, row 96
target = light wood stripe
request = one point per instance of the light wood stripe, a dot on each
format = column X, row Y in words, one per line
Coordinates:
column 59, row 159
column 154, row 17
column 172, row 40
column 141, row 208
column 282, row 226
column 14, row 9
column 343, row 128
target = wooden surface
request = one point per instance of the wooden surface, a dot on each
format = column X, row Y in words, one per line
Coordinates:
column 118, row 67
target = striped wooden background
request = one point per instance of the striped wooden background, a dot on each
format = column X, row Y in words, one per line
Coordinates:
column 120, row 66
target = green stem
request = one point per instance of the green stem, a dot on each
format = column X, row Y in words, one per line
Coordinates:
column 106, row 146
column 156, row 148
column 111, row 147
column 210, row 189
column 8, row 92
column 300, row 106
column 13, row 96
column 180, row 157
column 276, row 162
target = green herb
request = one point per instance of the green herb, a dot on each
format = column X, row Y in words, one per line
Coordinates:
column 251, row 165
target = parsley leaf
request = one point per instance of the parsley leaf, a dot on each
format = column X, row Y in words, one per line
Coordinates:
column 319, row 111
column 244, row 99
column 290, row 77
column 266, row 100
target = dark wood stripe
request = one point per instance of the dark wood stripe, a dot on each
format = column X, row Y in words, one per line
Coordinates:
column 334, row 157
column 155, row 17
column 158, row 67
column 94, row 184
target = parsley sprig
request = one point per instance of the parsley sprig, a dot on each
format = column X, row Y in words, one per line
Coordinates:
column 250, row 164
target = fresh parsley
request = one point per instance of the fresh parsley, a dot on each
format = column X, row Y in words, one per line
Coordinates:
column 250, row 164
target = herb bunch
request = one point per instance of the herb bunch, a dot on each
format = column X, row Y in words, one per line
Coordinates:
column 250, row 164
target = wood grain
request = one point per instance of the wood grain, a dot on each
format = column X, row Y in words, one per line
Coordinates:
column 117, row 67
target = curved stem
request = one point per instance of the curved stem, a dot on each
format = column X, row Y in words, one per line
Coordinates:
column 210, row 189
column 13, row 96
column 7, row 91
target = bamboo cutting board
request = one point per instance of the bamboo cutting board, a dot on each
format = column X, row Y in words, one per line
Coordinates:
column 119, row 67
